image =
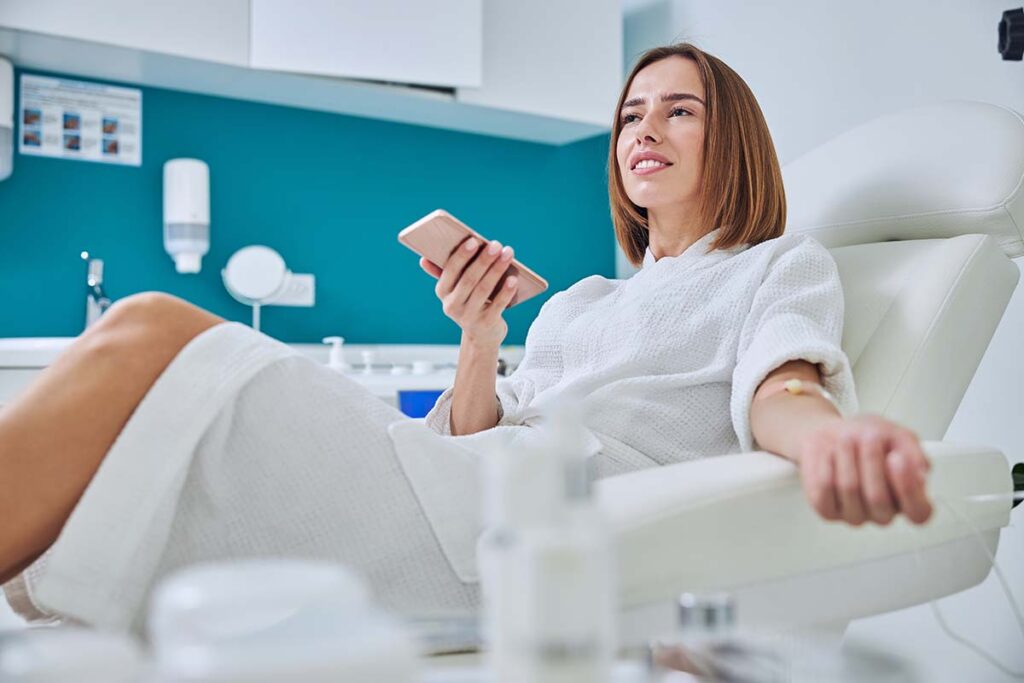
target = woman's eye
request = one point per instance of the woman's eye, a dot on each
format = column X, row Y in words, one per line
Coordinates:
column 678, row 111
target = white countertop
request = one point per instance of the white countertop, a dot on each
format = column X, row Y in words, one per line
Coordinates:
column 39, row 352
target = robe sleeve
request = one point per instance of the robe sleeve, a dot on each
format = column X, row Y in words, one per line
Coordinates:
column 796, row 314
column 507, row 392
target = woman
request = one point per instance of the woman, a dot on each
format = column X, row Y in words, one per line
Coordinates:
column 165, row 436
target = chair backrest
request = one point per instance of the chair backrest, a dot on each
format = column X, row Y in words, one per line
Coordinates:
column 922, row 210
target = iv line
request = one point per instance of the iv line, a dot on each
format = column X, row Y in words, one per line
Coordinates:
column 999, row 574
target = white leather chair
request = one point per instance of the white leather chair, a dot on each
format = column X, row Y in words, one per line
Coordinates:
column 922, row 211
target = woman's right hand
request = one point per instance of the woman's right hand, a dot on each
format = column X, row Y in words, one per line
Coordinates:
column 464, row 286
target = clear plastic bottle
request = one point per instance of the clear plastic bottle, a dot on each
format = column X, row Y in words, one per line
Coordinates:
column 546, row 564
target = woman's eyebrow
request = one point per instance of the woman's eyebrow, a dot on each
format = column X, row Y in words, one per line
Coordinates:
column 669, row 97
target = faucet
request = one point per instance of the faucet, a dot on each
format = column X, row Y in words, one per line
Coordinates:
column 96, row 300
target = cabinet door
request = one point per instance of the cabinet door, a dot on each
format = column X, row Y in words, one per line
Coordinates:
column 426, row 42
column 559, row 59
column 198, row 29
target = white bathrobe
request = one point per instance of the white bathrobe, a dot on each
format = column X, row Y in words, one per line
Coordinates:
column 244, row 448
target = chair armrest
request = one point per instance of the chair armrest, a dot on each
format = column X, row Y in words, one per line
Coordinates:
column 734, row 520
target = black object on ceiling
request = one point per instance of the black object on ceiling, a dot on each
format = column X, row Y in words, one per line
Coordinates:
column 1011, row 34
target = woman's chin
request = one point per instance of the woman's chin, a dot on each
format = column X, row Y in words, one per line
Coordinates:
column 648, row 200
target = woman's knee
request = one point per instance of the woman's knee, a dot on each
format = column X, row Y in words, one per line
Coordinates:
column 149, row 319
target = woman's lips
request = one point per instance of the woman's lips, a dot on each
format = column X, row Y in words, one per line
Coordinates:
column 649, row 171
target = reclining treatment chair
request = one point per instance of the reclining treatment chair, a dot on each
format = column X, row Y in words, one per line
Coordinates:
column 922, row 210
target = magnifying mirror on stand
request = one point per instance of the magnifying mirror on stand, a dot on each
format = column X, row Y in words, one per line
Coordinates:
column 257, row 276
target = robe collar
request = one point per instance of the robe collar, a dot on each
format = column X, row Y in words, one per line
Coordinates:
column 697, row 250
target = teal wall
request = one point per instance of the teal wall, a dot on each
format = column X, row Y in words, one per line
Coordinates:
column 329, row 192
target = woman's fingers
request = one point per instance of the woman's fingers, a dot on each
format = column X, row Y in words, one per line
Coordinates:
column 879, row 470
column 818, row 479
column 913, row 474
column 475, row 271
column 877, row 496
column 452, row 270
column 432, row 268
column 504, row 297
column 908, row 443
column 908, row 479
column 851, row 505
column 487, row 284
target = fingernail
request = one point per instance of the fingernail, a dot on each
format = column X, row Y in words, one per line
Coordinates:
column 506, row 253
column 471, row 244
column 493, row 248
column 897, row 459
column 512, row 281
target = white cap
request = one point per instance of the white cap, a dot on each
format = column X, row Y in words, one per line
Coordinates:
column 187, row 261
column 336, row 360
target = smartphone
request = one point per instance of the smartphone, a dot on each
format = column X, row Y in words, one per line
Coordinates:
column 438, row 234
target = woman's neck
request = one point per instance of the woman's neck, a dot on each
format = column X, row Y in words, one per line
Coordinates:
column 670, row 233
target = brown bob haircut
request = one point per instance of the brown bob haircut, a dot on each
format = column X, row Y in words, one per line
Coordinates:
column 741, row 182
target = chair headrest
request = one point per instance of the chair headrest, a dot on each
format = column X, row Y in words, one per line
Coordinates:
column 934, row 171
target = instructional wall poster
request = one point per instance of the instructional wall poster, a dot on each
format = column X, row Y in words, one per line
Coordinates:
column 80, row 120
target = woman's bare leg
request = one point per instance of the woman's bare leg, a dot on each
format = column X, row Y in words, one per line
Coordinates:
column 55, row 435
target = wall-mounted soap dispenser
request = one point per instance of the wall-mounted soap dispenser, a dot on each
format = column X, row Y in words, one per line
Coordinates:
column 186, row 212
column 6, row 118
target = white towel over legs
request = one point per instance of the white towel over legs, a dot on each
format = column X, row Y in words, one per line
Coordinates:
column 245, row 448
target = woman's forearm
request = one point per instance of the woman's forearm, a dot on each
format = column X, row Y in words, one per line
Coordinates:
column 780, row 422
column 474, row 403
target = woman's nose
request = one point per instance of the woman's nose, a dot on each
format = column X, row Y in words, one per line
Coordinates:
column 645, row 132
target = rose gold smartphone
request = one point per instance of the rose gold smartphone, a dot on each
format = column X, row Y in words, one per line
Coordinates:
column 438, row 234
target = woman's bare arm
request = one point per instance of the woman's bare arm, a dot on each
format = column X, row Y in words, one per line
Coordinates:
column 474, row 404
column 780, row 422
column 465, row 284
column 856, row 469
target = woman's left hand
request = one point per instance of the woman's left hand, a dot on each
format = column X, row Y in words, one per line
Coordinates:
column 865, row 468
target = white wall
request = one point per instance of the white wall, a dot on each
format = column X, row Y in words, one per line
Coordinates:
column 819, row 67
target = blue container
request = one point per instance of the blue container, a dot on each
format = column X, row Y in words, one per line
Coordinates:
column 418, row 402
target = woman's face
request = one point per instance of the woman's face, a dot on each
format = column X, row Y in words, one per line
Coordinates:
column 662, row 117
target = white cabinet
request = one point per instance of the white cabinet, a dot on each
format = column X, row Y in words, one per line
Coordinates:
column 433, row 42
column 199, row 29
column 559, row 59
column 533, row 70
